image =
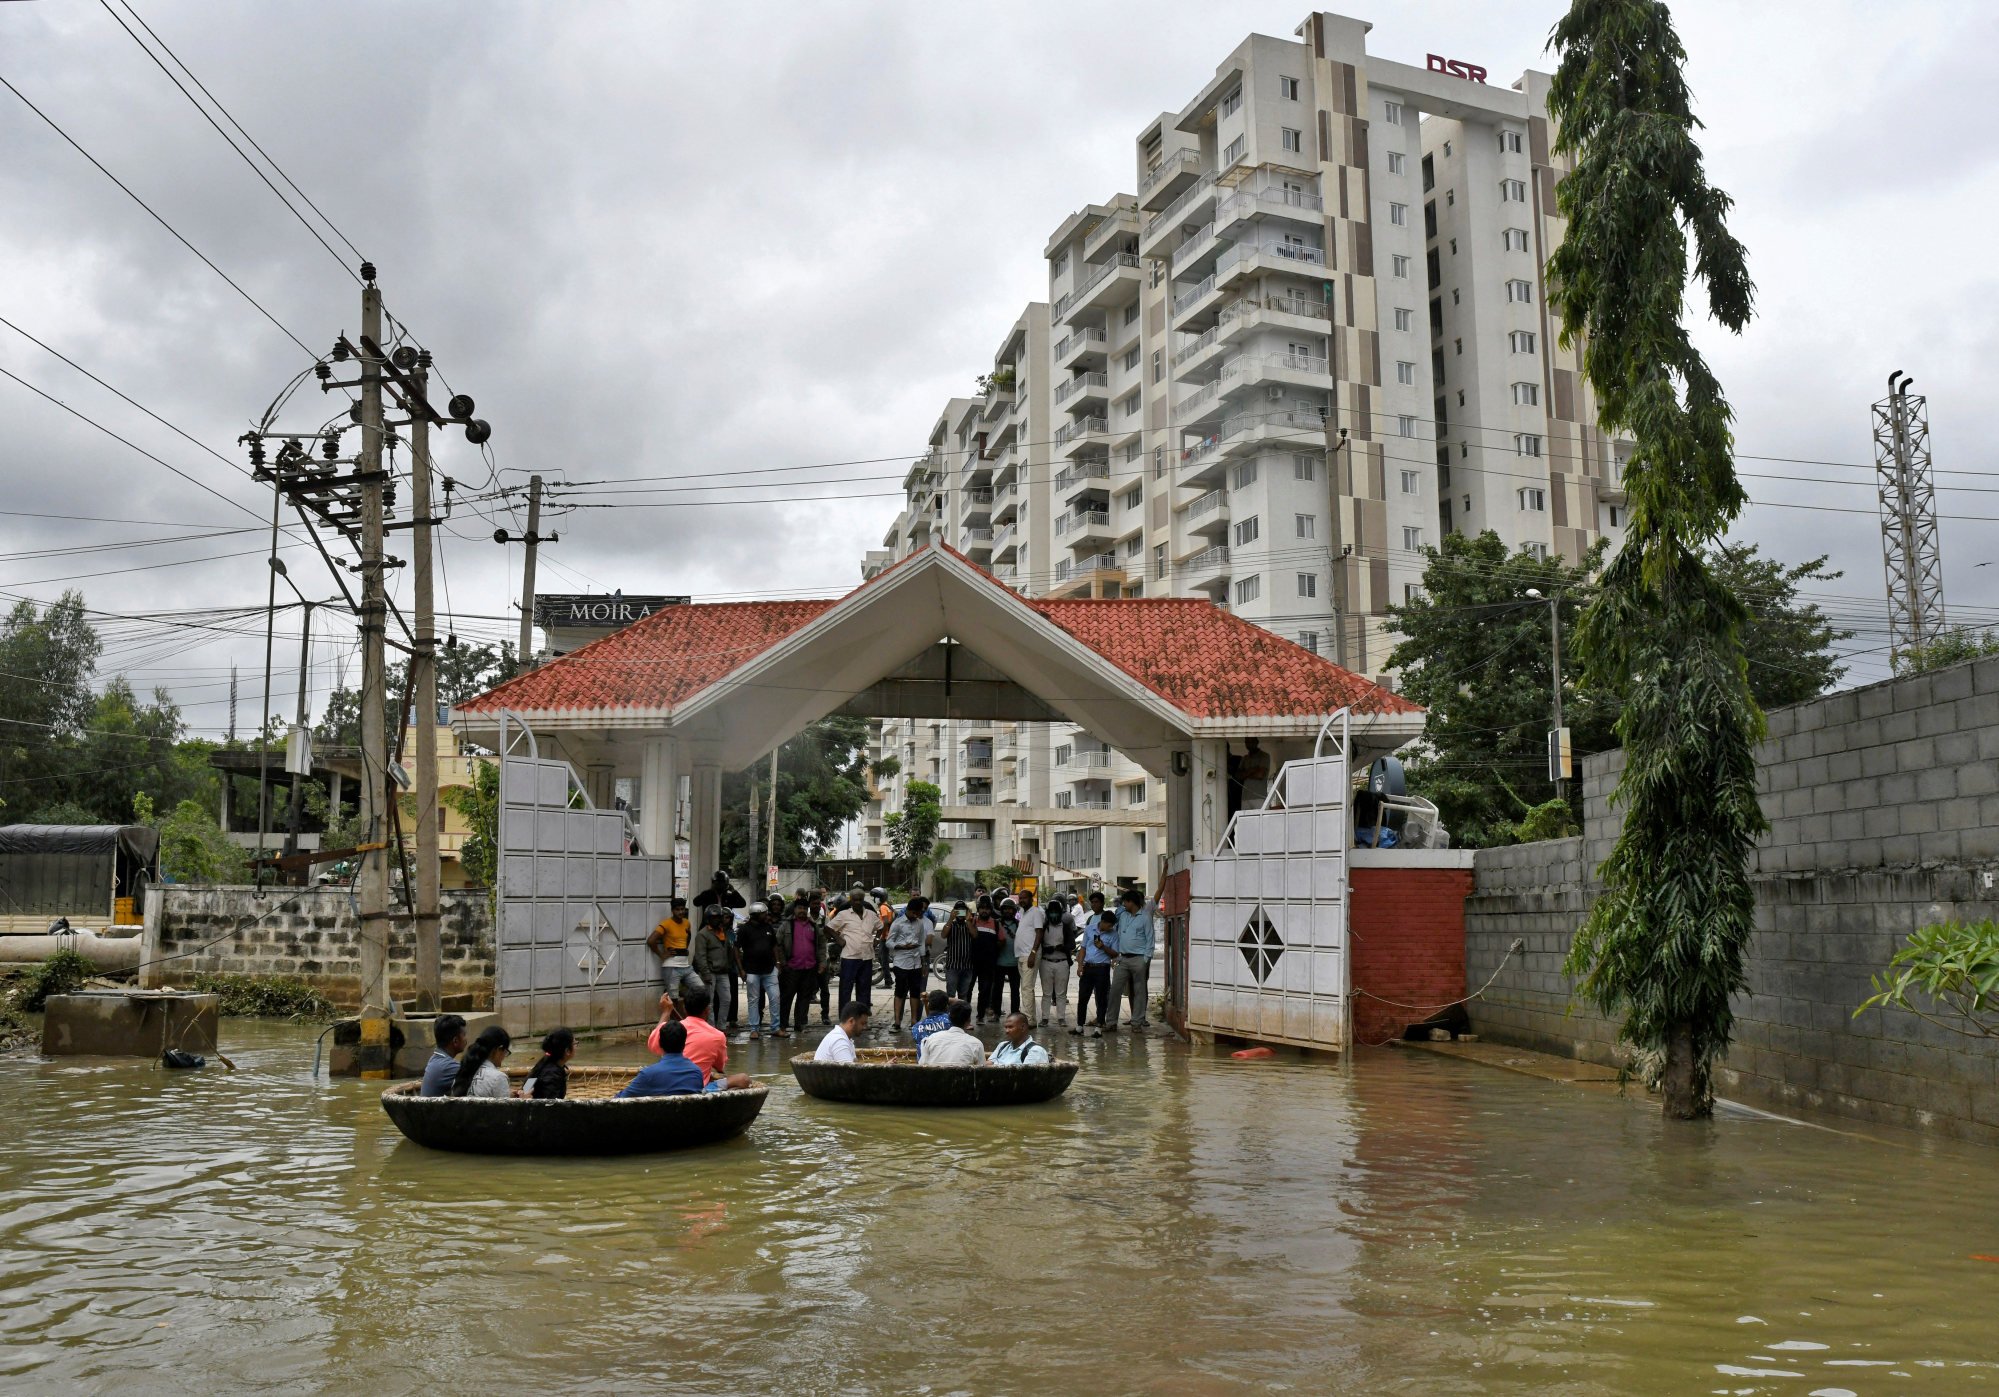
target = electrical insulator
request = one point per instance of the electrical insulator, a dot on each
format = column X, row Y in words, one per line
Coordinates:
column 323, row 370
column 329, row 446
column 423, row 359
column 256, row 451
column 340, row 351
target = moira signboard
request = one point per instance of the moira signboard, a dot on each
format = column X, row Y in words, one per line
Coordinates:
column 590, row 612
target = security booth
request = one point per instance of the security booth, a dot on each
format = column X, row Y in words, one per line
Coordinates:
column 1178, row 685
column 95, row 875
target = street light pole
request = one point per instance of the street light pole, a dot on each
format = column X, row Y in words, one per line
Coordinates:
column 1558, row 736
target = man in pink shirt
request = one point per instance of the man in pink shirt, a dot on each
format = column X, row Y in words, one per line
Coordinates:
column 707, row 1046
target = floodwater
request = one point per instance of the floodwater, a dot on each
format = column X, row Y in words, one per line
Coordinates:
column 1179, row 1223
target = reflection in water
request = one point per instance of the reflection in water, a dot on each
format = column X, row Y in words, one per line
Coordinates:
column 1178, row 1223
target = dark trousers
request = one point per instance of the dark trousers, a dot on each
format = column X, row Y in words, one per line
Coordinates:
column 855, row 977
column 1010, row 977
column 989, row 991
column 725, row 988
column 795, row 989
column 1096, row 981
column 960, row 981
column 825, row 981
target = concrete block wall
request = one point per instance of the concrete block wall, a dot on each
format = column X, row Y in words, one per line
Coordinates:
column 1883, row 806
column 192, row 929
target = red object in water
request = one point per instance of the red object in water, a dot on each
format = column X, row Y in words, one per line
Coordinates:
column 1981, row 1256
column 1272, row 1052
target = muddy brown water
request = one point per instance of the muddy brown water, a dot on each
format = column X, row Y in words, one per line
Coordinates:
column 1179, row 1223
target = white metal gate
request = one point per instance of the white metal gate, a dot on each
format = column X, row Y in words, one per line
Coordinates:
column 1267, row 917
column 573, row 909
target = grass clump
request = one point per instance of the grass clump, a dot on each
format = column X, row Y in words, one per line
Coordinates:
column 65, row 972
column 264, row 996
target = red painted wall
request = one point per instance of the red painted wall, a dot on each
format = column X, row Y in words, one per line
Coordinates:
column 1407, row 932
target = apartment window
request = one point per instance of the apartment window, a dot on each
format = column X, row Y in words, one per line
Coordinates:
column 1131, row 404
column 1308, row 584
column 1234, row 152
column 1394, row 114
column 1454, row 247
column 1538, row 552
column 1454, row 295
column 1246, row 530
column 1158, row 274
column 1249, row 589
column 1135, row 795
column 1293, row 140
column 1412, row 538
column 1520, row 291
column 1516, row 239
column 1132, row 499
column 1062, row 754
column 1159, row 560
column 1158, row 364
column 1309, row 640
column 1447, row 150
column 1429, row 173
column 1158, row 461
column 1130, row 360
column 1132, row 451
column 1461, row 397
column 1399, row 264
column 1513, row 191
column 1410, row 590
column 1405, row 371
column 1468, row 504
column 1061, row 264
column 1450, row 198
column 1509, row 143
column 1459, row 342
column 1232, row 103
column 1533, row 498
column 1308, row 525
column 1616, row 516
column 1398, row 214
column 1303, row 467
column 1287, row 88
column 1526, row 444
column 1245, row 474
column 1521, row 340
column 1132, row 545
column 1464, row 450
column 1396, row 164
column 1526, row 395
column 1406, row 424
column 1405, row 319
column 1409, row 482
column 1131, row 314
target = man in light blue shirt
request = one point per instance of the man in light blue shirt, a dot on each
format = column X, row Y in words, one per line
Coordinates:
column 1130, row 976
column 1099, row 955
column 1020, row 1049
column 438, row 1074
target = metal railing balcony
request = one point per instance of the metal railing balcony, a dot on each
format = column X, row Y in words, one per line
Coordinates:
column 977, row 763
column 1196, row 347
column 1091, row 761
column 979, row 535
column 1089, row 563
column 979, row 494
column 1081, row 427
column 1082, row 337
column 1181, row 164
column 1205, row 504
column 1179, row 206
column 1088, row 803
column 1200, row 451
column 1208, row 558
column 1192, row 246
column 1082, row 471
column 1123, row 261
column 1270, row 198
column 1194, row 293
column 1083, row 519
column 976, row 798
column 1070, row 387
column 1240, row 253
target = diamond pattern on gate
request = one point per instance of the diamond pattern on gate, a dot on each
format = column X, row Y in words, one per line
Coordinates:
column 1260, row 945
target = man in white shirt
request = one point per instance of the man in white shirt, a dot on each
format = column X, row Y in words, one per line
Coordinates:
column 858, row 928
column 1020, row 1049
column 953, row 1046
column 838, row 1044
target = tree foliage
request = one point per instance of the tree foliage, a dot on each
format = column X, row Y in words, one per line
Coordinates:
column 193, row 848
column 479, row 804
column 1664, row 942
column 1950, row 647
column 912, row 832
column 1952, row 965
column 821, row 785
column 1477, row 654
column 463, row 672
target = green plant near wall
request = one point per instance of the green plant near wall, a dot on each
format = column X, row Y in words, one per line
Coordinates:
column 1952, row 968
column 65, row 972
column 265, row 997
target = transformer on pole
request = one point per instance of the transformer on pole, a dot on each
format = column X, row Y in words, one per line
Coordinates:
column 1908, row 518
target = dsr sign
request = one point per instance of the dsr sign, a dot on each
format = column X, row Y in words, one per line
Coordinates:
column 1456, row 68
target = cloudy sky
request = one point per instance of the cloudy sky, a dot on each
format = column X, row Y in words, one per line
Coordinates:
column 676, row 241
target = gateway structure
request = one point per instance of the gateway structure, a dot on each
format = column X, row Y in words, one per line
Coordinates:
column 1313, row 342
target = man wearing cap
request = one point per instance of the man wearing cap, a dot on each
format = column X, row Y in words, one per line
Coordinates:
column 858, row 928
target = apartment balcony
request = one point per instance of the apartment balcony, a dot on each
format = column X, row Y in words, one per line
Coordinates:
column 1085, row 433
column 1192, row 355
column 1199, row 249
column 1247, row 259
column 1006, row 572
column 1006, row 466
column 1250, row 371
column 1006, row 503
column 1194, row 307
column 1103, row 285
column 1088, row 566
column 1084, row 526
column 1081, row 476
column 1203, row 463
column 1164, row 182
column 1085, row 347
column 1001, row 434
column 1292, row 428
column 1006, row 541
column 1089, row 761
column 1083, row 802
column 1268, row 199
column 1206, row 565
column 998, row 400
column 1190, row 207
column 979, row 797
column 1207, row 516
column 978, row 505
column 977, row 543
column 1300, row 313
column 1084, row 391
column 1200, row 407
column 1108, row 232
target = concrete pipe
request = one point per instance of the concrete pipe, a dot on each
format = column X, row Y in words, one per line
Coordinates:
column 105, row 953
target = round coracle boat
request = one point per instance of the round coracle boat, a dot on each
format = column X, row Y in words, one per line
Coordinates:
column 891, row 1077
column 589, row 1121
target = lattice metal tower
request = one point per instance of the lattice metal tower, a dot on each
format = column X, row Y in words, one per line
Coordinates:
column 1908, row 518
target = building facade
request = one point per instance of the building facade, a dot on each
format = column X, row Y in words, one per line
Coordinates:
column 1315, row 341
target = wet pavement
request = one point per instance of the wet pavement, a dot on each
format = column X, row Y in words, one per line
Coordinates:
column 1178, row 1223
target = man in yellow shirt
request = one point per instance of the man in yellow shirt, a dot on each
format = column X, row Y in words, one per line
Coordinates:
column 669, row 942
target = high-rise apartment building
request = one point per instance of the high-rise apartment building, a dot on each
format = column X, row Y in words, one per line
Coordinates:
column 1315, row 341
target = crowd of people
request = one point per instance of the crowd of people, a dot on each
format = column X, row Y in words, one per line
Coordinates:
column 1002, row 953
column 1004, row 958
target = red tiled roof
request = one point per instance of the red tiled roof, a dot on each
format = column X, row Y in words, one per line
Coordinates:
column 1210, row 664
column 670, row 656
column 1199, row 658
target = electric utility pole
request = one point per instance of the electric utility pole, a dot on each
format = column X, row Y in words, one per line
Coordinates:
column 423, row 677
column 1909, row 548
column 372, row 880
column 304, row 671
column 770, row 833
column 532, row 538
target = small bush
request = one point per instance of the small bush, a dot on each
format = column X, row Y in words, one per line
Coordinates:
column 264, row 996
column 65, row 972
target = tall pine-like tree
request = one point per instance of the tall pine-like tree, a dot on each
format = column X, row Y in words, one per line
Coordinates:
column 1663, row 945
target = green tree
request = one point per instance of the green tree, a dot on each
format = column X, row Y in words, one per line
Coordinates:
column 822, row 783
column 1954, row 966
column 1788, row 641
column 1664, row 942
column 193, row 848
column 1950, row 647
column 463, row 672
column 47, row 657
column 479, row 803
column 912, row 833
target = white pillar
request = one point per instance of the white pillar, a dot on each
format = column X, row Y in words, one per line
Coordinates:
column 659, row 790
column 600, row 783
column 704, row 824
column 1210, row 793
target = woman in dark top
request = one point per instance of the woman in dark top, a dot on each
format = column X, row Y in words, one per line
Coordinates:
column 548, row 1079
